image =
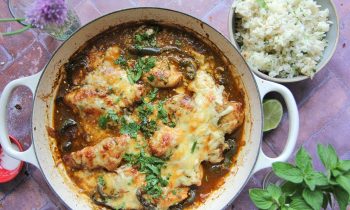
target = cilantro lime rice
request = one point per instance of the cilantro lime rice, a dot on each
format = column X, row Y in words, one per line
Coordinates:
column 282, row 38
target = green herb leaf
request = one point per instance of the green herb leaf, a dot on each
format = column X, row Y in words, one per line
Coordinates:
column 303, row 160
column 290, row 188
column 274, row 191
column 299, row 203
column 102, row 122
column 344, row 165
column 146, row 39
column 260, row 198
column 151, row 166
column 121, row 61
column 194, row 146
column 335, row 172
column 328, row 156
column 101, row 181
column 129, row 128
column 162, row 113
column 314, row 179
column 262, row 3
column 342, row 197
column 142, row 65
column 313, row 198
column 153, row 94
column 344, row 182
column 150, row 78
column 287, row 172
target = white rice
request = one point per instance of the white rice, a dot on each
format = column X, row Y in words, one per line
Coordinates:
column 284, row 39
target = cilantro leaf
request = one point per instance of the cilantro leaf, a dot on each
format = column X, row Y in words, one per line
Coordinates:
column 101, row 181
column 130, row 128
column 142, row 65
column 121, row 61
column 151, row 166
column 194, row 146
column 102, row 122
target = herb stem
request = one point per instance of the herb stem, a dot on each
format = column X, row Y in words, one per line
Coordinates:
column 11, row 19
column 17, row 31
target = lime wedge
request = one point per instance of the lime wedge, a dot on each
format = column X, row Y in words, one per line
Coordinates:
column 273, row 112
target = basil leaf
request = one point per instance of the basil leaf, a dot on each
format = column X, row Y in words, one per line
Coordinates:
column 336, row 172
column 287, row 172
column 328, row 156
column 290, row 188
column 344, row 182
column 344, row 165
column 299, row 203
column 303, row 160
column 314, row 179
column 273, row 207
column 313, row 198
column 342, row 197
column 274, row 191
column 260, row 198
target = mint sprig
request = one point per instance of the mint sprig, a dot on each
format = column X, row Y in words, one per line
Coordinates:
column 304, row 187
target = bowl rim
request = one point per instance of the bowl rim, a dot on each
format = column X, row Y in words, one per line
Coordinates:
column 285, row 80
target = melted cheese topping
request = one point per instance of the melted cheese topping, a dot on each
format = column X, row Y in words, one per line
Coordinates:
column 198, row 136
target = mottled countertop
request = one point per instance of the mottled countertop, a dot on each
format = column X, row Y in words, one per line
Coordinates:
column 323, row 102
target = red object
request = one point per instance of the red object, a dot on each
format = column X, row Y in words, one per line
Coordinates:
column 8, row 175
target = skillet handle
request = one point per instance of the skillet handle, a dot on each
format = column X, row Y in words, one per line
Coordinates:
column 29, row 155
column 265, row 87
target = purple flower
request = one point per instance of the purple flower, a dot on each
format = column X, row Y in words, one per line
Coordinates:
column 46, row 12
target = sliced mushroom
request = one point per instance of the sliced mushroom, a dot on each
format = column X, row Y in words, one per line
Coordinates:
column 144, row 202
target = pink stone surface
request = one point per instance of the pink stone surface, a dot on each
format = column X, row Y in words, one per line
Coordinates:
column 324, row 102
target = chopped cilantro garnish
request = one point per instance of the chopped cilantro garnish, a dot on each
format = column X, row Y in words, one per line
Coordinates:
column 142, row 65
column 101, row 181
column 150, row 78
column 172, row 124
column 144, row 110
column 146, row 39
column 121, row 61
column 102, row 122
column 152, row 94
column 130, row 128
column 151, row 166
column 148, row 128
column 194, row 146
column 110, row 116
column 162, row 113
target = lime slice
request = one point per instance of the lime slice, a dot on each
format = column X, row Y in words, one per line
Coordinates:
column 273, row 112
